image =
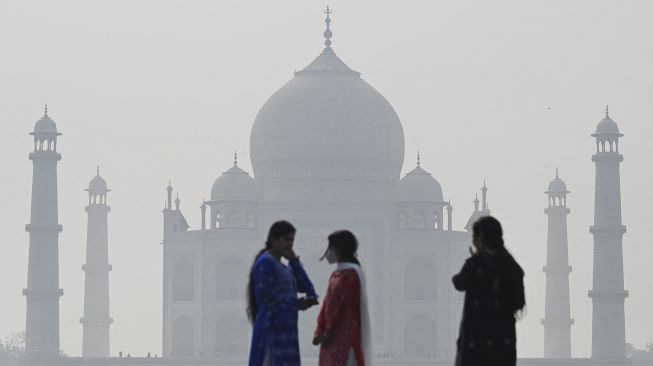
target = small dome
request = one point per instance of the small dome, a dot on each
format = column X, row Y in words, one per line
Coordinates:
column 45, row 125
column 557, row 185
column 419, row 186
column 98, row 184
column 607, row 127
column 234, row 185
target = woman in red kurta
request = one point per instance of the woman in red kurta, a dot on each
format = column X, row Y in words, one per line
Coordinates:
column 343, row 326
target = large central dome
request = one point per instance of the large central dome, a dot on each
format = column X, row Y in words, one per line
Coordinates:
column 327, row 111
column 327, row 122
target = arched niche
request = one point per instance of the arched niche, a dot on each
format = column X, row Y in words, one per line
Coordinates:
column 420, row 338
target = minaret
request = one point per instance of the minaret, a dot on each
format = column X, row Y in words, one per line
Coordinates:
column 173, row 219
column 557, row 322
column 484, row 193
column 203, row 210
column 96, row 320
column 43, row 292
column 608, row 294
column 479, row 212
column 167, row 211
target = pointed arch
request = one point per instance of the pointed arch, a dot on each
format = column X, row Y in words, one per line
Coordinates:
column 183, row 337
column 183, row 280
column 219, row 219
column 420, row 337
column 435, row 216
column 231, row 338
column 420, row 279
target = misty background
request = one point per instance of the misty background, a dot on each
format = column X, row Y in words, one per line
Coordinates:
column 150, row 91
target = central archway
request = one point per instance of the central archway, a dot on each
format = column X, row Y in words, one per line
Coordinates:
column 420, row 337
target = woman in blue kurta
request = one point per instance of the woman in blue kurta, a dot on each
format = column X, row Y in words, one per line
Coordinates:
column 273, row 303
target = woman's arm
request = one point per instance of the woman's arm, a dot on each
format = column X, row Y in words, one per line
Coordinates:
column 463, row 279
column 304, row 284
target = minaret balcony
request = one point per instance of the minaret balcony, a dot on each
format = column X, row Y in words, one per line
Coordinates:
column 559, row 270
column 562, row 323
column 607, row 157
column 608, row 229
column 36, row 229
column 609, row 295
column 96, row 269
column 557, row 210
column 103, row 321
column 45, row 156
column 98, row 208
column 42, row 294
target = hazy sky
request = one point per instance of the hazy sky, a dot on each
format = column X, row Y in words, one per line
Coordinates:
column 154, row 90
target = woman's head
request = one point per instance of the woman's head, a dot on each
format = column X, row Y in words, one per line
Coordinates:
column 343, row 247
column 487, row 234
column 281, row 238
column 279, row 242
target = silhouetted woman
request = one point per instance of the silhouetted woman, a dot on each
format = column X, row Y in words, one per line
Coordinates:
column 273, row 303
column 494, row 295
column 343, row 326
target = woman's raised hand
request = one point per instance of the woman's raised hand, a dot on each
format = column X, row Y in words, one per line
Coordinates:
column 290, row 254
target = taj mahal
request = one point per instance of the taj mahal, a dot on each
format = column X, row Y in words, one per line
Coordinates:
column 327, row 151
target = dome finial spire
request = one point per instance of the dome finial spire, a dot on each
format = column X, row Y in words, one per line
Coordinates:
column 327, row 33
column 607, row 111
column 98, row 170
column 557, row 173
column 419, row 158
column 46, row 109
column 235, row 157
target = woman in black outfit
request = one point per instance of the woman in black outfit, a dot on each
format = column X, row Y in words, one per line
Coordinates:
column 494, row 297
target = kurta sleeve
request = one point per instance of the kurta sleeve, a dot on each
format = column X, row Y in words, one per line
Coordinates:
column 267, row 285
column 343, row 294
column 463, row 279
column 304, row 284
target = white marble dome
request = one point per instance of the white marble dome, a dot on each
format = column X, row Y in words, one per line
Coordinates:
column 234, row 185
column 327, row 116
column 418, row 185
